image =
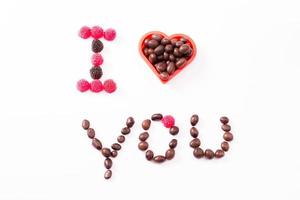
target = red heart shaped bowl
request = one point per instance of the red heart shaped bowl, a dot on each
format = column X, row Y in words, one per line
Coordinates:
column 189, row 41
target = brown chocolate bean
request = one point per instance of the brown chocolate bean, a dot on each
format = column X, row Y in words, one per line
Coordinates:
column 97, row 46
column 178, row 43
column 143, row 146
column 159, row 50
column 146, row 124
column 164, row 76
column 143, row 136
column 174, row 130
column 173, row 144
column 165, row 41
column 149, row 155
column 108, row 163
column 169, row 48
column 157, row 37
column 97, row 144
column 198, row 153
column 130, row 122
column 226, row 127
column 225, row 146
column 224, row 120
column 228, row 136
column 152, row 58
column 106, row 152
column 150, row 51
column 194, row 120
column 176, row 52
column 171, row 68
column 161, row 66
column 180, row 63
column 183, row 39
column 159, row 159
column 195, row 143
column 114, row 153
column 91, row 133
column 85, row 124
column 219, row 153
column 166, row 56
column 121, row 139
column 160, row 58
column 184, row 49
column 156, row 117
column 125, row 130
column 146, row 41
column 172, row 58
column 108, row 174
column 209, row 154
column 116, row 146
column 194, row 132
column 173, row 41
column 170, row 153
column 152, row 44
column 145, row 50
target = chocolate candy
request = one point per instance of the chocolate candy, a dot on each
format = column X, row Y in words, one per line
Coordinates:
column 194, row 132
column 130, row 122
column 195, row 143
column 170, row 153
column 228, row 136
column 125, row 130
column 167, row 55
column 96, row 73
column 156, row 117
column 173, row 143
column 159, row 159
column 143, row 136
column 116, row 146
column 85, row 124
column 194, row 120
column 121, row 138
column 108, row 174
column 97, row 46
column 143, row 146
column 97, row 144
column 174, row 130
column 225, row 146
column 149, row 155
column 198, row 152
column 209, row 154
column 219, row 153
column 108, row 163
column 106, row 152
column 91, row 133
column 146, row 124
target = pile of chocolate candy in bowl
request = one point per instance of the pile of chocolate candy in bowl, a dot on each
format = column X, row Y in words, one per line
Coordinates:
column 167, row 55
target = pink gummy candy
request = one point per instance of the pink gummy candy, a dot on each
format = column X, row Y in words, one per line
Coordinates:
column 83, row 85
column 168, row 121
column 97, row 32
column 110, row 34
column 96, row 86
column 110, row 86
column 97, row 59
column 85, row 32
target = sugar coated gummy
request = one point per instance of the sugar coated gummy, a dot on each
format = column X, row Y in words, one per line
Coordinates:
column 168, row 121
column 110, row 86
column 83, row 85
column 85, row 32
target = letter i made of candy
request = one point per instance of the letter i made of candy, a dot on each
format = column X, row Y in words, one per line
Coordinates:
column 96, row 85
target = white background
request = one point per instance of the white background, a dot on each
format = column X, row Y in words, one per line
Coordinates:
column 247, row 68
